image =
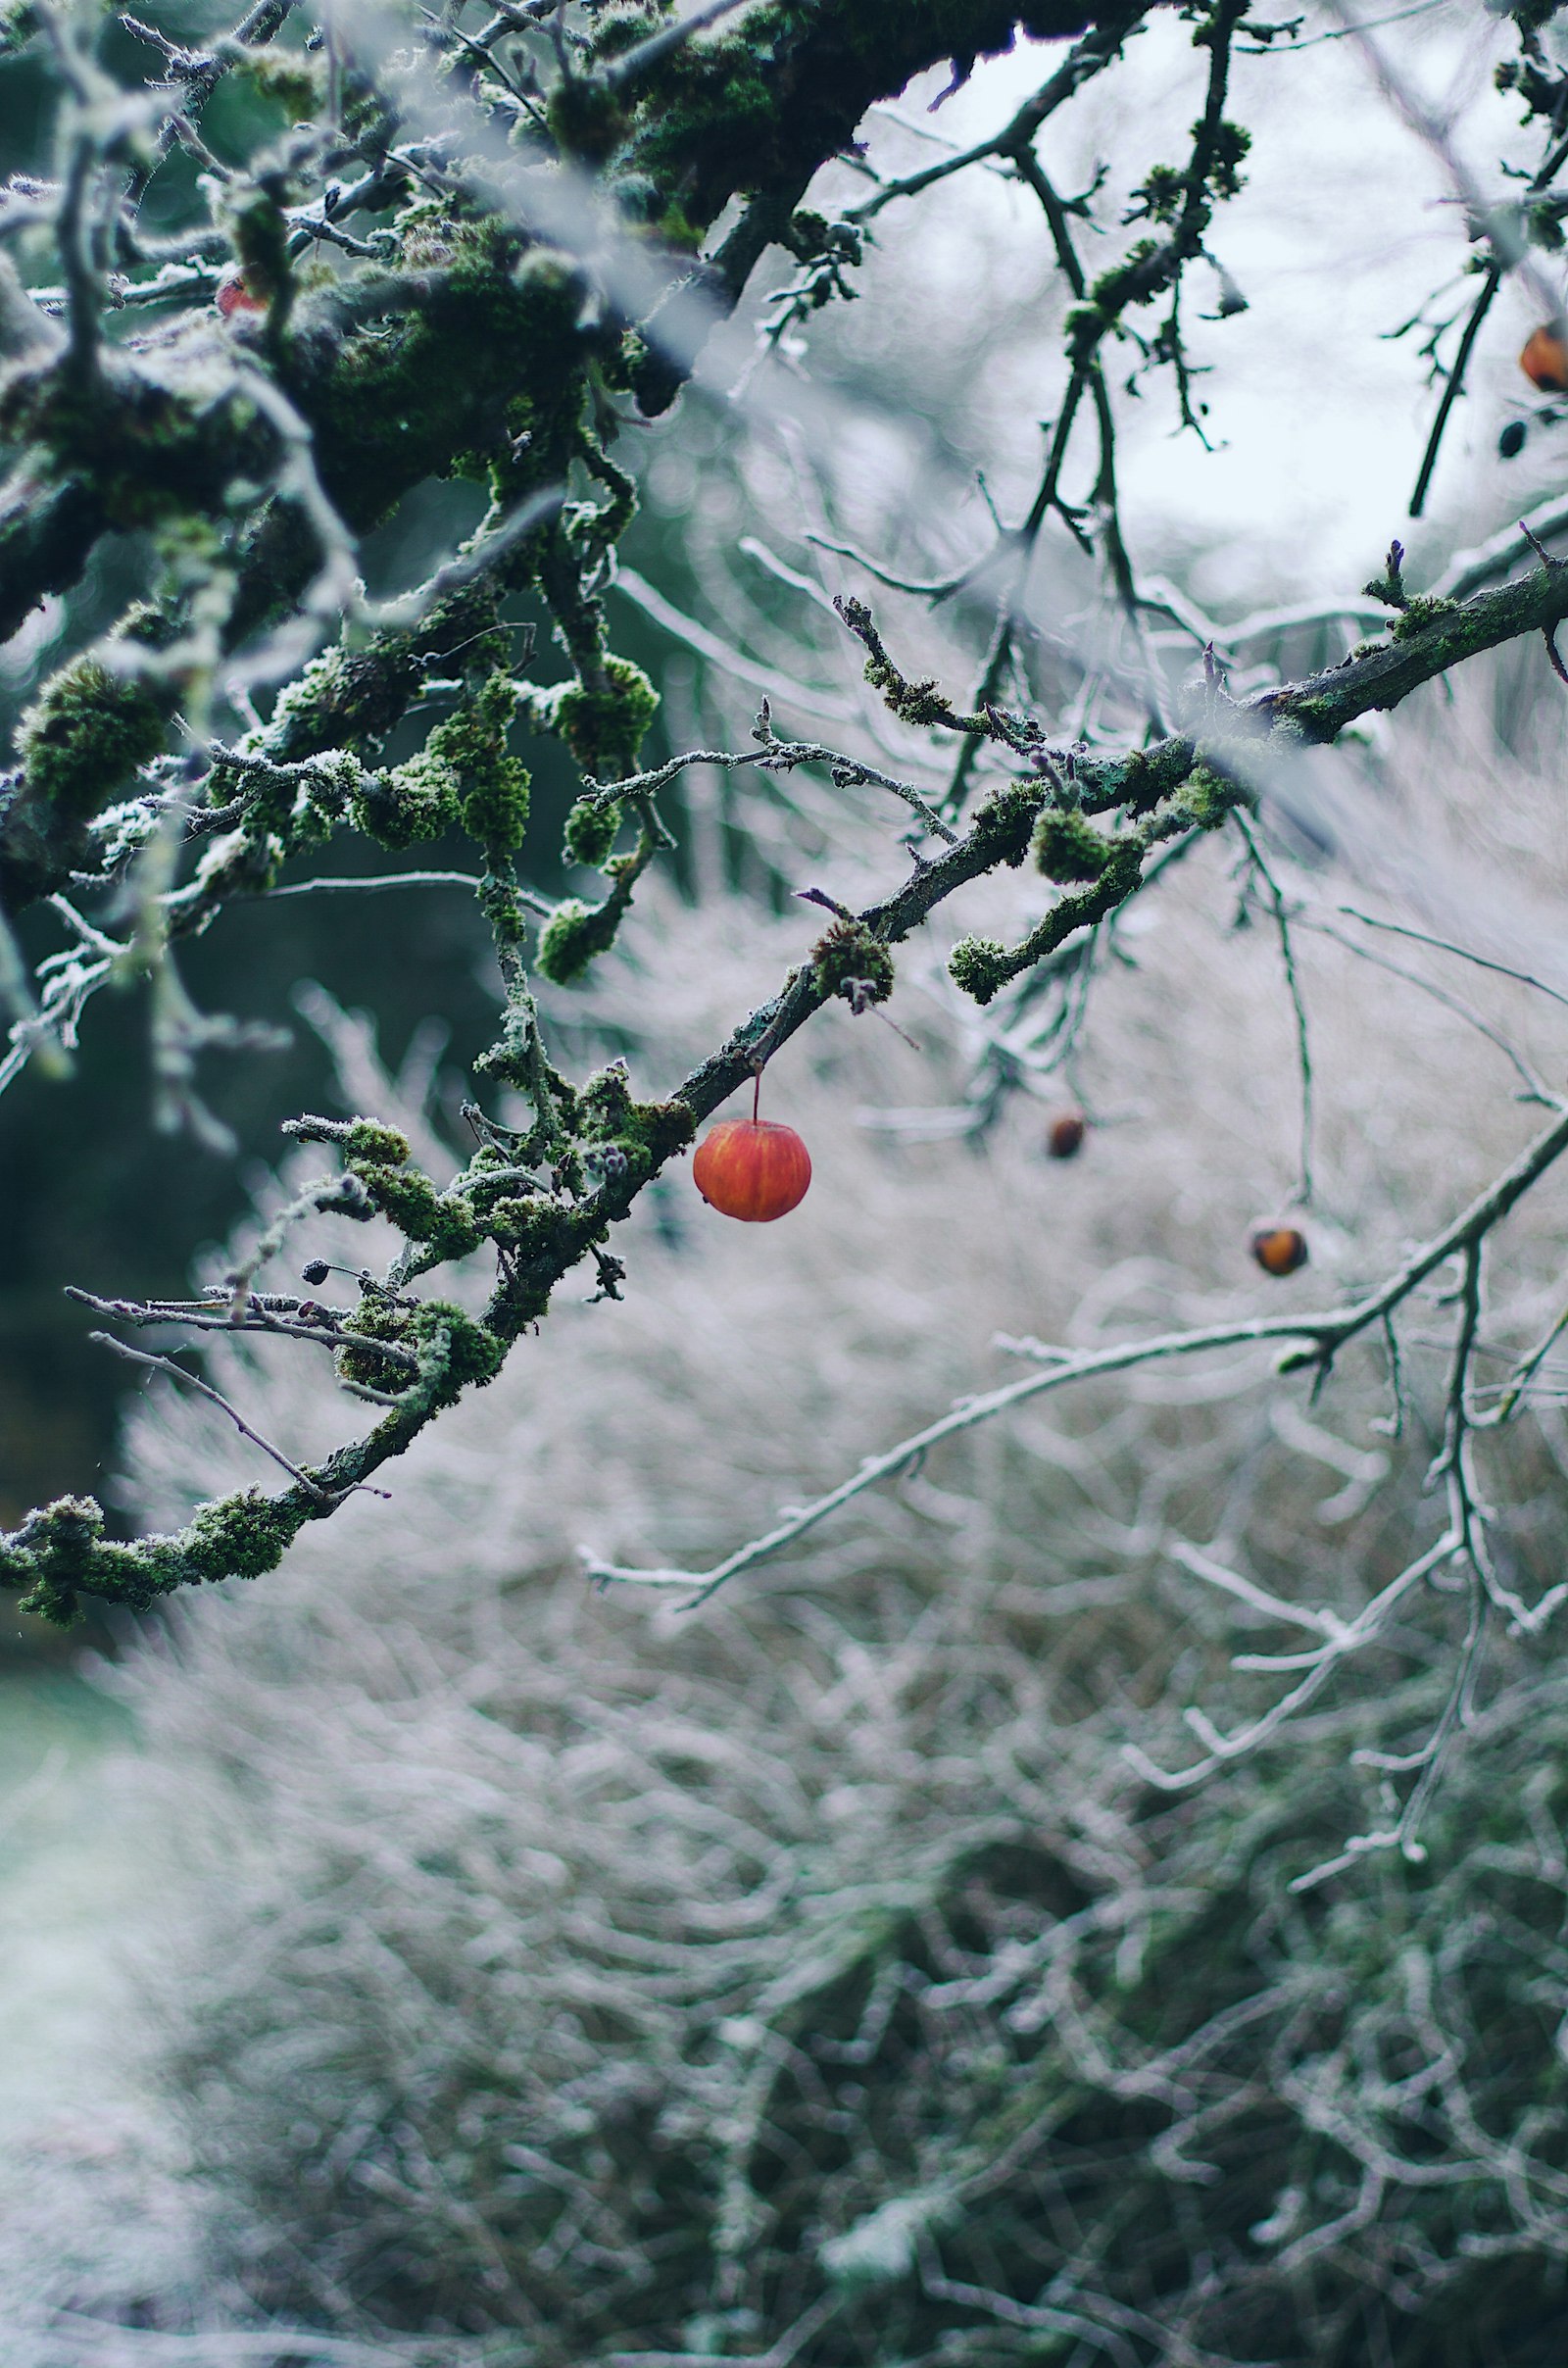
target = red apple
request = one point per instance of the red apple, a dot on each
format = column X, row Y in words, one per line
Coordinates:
column 751, row 1168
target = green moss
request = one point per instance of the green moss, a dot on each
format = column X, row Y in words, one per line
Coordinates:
column 605, row 728
column 1004, row 820
column 590, row 833
column 373, row 1319
column 644, row 1134
column 242, row 862
column 529, row 1225
column 503, row 910
column 1305, row 719
column 444, row 1223
column 622, row 24
column 382, row 1146
column 587, row 118
column 978, row 964
column 240, row 1537
column 675, row 228
column 463, row 773
column 84, row 737
column 853, row 962
column 390, row 406
column 456, row 1352
column 1207, row 797
column 605, row 1104
column 327, row 702
column 294, row 78
column 496, row 786
column 916, row 703
column 575, row 935
column 661, row 1128
column 1067, row 848
column 1424, row 609
column 413, row 802
column 259, row 232
column 349, row 700
column 148, row 450
column 61, row 1553
column 52, row 1554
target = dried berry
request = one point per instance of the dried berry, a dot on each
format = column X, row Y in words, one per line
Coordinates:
column 316, row 1272
column 751, row 1168
column 1279, row 1249
column 1064, row 1135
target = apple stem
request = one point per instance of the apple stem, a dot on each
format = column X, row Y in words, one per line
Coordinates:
column 756, row 1093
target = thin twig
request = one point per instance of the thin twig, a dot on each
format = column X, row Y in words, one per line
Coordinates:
column 1303, row 1051
column 166, row 1364
column 1446, row 945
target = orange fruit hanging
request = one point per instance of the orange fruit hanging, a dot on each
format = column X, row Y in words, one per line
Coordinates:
column 1279, row 1249
column 751, row 1168
column 1544, row 360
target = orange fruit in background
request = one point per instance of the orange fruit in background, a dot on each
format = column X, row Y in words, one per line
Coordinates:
column 751, row 1168
column 1544, row 360
column 1279, row 1249
column 233, row 294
